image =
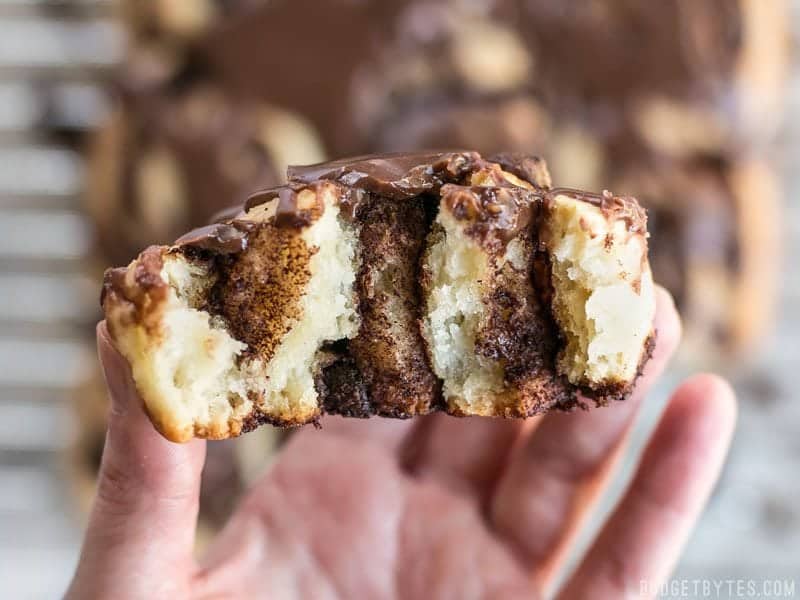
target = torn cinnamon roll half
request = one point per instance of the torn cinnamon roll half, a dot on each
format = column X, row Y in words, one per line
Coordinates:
column 391, row 285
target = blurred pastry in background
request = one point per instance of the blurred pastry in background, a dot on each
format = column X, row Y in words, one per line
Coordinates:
column 675, row 127
column 176, row 25
column 165, row 32
column 449, row 75
column 714, row 246
column 731, row 54
column 171, row 157
column 302, row 55
column 90, row 406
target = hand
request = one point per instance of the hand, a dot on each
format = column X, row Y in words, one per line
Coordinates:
column 434, row 507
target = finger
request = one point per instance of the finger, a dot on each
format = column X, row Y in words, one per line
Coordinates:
column 144, row 514
column 466, row 455
column 557, row 477
column 640, row 544
column 389, row 435
column 328, row 504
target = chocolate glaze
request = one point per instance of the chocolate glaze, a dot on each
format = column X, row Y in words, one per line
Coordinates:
column 398, row 175
column 530, row 168
column 220, row 238
column 289, row 214
column 208, row 142
column 496, row 214
column 613, row 207
column 262, row 197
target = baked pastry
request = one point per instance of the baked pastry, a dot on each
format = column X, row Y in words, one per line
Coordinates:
column 706, row 88
column 170, row 158
column 177, row 24
column 389, row 285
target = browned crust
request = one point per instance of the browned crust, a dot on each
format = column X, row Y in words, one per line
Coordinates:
column 135, row 295
column 257, row 418
column 604, row 392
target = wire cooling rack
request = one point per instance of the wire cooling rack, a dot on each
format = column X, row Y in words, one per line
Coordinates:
column 53, row 58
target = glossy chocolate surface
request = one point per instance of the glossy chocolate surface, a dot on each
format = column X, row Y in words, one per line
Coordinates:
column 397, row 175
column 495, row 212
column 221, row 238
column 613, row 207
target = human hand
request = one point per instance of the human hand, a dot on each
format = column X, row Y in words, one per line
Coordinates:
column 434, row 507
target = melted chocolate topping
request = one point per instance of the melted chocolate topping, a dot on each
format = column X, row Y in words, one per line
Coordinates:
column 530, row 168
column 221, row 238
column 398, row 176
column 616, row 207
column 262, row 197
column 496, row 213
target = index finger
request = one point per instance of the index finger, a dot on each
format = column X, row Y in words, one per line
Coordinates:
column 558, row 474
column 145, row 510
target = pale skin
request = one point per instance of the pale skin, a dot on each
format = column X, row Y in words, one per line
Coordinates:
column 434, row 507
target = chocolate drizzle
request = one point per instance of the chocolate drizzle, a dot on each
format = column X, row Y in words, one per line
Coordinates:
column 613, row 207
column 262, row 197
column 397, row 176
column 530, row 168
column 496, row 214
column 287, row 213
column 220, row 238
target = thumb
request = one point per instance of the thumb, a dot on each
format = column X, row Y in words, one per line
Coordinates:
column 142, row 525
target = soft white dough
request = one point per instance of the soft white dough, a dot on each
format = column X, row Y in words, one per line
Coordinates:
column 604, row 299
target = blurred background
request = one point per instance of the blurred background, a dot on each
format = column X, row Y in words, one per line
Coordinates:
column 122, row 123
